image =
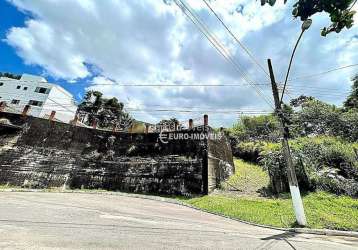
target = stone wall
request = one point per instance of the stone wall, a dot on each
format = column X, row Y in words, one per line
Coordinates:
column 40, row 154
column 220, row 162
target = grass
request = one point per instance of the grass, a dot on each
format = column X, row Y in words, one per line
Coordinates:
column 323, row 210
column 248, row 178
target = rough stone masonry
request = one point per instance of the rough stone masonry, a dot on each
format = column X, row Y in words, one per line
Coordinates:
column 39, row 153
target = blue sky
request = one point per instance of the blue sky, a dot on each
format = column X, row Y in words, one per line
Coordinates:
column 11, row 62
column 106, row 45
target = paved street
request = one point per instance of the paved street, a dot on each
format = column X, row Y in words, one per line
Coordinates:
column 100, row 221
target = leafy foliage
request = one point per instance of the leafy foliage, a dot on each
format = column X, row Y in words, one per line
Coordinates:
column 306, row 116
column 319, row 118
column 349, row 121
column 248, row 151
column 316, row 118
column 339, row 12
column 320, row 134
column 107, row 112
column 323, row 163
column 352, row 100
column 248, row 128
column 299, row 101
column 167, row 125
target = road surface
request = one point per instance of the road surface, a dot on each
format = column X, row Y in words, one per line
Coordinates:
column 101, row 221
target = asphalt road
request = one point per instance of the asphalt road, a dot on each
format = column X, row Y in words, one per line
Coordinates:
column 100, row 221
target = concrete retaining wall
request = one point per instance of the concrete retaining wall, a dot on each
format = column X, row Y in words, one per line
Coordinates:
column 220, row 162
column 38, row 153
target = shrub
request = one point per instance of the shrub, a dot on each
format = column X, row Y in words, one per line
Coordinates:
column 349, row 130
column 251, row 128
column 316, row 118
column 248, row 151
column 324, row 163
column 310, row 117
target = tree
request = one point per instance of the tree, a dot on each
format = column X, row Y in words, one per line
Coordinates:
column 167, row 125
column 316, row 118
column 107, row 112
column 299, row 101
column 340, row 12
column 253, row 128
column 306, row 116
column 352, row 99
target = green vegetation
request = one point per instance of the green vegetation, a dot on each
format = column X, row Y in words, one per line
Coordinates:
column 323, row 141
column 339, row 11
column 323, row 210
column 106, row 112
column 322, row 163
column 352, row 100
column 248, row 179
column 263, row 127
column 306, row 116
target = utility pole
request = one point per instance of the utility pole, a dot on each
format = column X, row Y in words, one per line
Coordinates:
column 291, row 174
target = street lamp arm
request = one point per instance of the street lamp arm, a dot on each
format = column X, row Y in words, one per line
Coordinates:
column 289, row 66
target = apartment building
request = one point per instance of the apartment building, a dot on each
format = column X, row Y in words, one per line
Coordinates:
column 43, row 97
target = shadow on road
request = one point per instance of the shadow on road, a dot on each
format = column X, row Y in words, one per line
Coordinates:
column 284, row 236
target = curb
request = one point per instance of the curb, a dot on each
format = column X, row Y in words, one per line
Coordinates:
column 326, row 232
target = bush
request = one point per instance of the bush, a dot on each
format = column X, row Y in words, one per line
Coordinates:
column 310, row 117
column 323, row 163
column 349, row 130
column 252, row 128
column 248, row 151
column 316, row 118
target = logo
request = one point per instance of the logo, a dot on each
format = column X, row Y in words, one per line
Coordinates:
column 163, row 137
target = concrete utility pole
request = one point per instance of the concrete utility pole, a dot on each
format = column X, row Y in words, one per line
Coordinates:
column 291, row 174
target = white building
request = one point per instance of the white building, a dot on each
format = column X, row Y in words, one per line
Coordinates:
column 43, row 97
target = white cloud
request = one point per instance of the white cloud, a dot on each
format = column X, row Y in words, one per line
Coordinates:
column 39, row 44
column 149, row 42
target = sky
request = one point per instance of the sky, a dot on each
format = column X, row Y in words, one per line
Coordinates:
column 108, row 45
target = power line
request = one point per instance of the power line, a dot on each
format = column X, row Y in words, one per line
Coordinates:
column 309, row 87
column 218, row 46
column 166, row 109
column 191, row 85
column 62, row 106
column 180, row 85
column 323, row 91
column 322, row 73
column 236, row 39
column 199, row 111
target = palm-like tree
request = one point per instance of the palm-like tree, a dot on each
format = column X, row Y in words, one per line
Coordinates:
column 107, row 112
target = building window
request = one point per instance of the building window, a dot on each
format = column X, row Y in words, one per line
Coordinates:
column 18, row 87
column 25, row 88
column 14, row 101
column 1, row 83
column 42, row 90
column 35, row 103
